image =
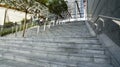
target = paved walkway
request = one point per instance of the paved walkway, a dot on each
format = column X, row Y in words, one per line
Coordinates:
column 68, row 45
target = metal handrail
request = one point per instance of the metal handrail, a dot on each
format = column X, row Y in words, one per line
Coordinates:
column 112, row 57
column 113, row 18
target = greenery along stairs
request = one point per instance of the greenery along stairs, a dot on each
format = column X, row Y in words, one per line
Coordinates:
column 11, row 27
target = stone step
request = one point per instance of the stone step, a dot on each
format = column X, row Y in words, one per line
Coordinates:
column 35, row 60
column 60, row 37
column 58, row 54
column 69, row 45
column 51, row 49
column 46, row 52
column 82, row 64
column 56, row 41
column 54, row 45
column 12, row 63
column 62, row 30
column 72, row 61
column 52, row 41
column 48, row 42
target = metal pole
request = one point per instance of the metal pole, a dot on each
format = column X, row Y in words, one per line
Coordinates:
column 15, row 30
column 78, row 8
column 38, row 29
column 44, row 26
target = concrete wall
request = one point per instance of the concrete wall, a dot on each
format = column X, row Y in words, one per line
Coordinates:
column 12, row 15
column 108, row 26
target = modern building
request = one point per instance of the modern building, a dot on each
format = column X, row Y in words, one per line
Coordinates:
column 104, row 17
column 76, row 8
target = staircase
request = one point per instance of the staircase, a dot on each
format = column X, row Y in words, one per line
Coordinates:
column 69, row 45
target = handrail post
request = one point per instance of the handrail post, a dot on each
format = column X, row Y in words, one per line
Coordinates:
column 44, row 26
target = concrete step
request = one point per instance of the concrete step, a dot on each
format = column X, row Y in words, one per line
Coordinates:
column 51, row 39
column 59, row 37
column 82, row 64
column 51, row 49
column 48, row 42
column 29, row 49
column 56, row 54
column 55, row 45
column 53, row 42
column 61, row 30
column 69, row 45
column 12, row 63
column 35, row 41
column 30, row 58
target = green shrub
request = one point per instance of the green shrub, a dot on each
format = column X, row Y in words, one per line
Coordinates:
column 6, row 31
column 22, row 21
column 8, row 24
column 47, row 22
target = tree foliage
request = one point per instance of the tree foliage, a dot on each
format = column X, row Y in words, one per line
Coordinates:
column 55, row 6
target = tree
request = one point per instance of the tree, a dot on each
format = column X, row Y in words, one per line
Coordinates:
column 55, row 6
column 5, row 4
column 23, row 5
column 0, row 1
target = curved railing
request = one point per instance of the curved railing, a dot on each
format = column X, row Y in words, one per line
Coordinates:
column 109, row 26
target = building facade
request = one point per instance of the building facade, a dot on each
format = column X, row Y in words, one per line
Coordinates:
column 76, row 8
column 108, row 23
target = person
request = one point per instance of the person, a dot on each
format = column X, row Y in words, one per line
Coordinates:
column 41, row 21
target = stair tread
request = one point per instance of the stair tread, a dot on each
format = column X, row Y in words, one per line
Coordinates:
column 51, row 50
column 35, row 59
column 12, row 63
column 56, row 41
column 46, row 47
